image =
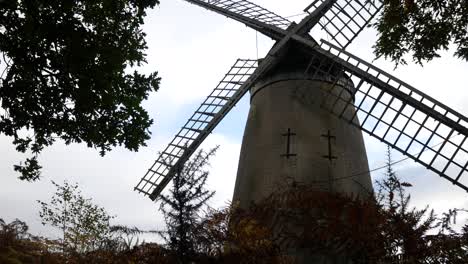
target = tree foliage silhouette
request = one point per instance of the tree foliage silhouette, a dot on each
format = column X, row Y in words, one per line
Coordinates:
column 334, row 227
column 183, row 205
column 65, row 73
column 421, row 28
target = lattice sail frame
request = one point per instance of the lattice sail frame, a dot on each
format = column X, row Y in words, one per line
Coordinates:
column 398, row 114
column 346, row 19
column 249, row 10
column 222, row 99
column 250, row 14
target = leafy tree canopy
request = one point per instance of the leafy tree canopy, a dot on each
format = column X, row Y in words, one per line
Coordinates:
column 422, row 28
column 64, row 75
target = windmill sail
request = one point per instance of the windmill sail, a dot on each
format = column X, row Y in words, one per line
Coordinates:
column 398, row 114
column 246, row 9
column 248, row 13
column 221, row 100
column 346, row 19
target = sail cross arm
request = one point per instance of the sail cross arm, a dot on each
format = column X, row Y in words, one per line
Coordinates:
column 209, row 114
column 398, row 114
column 248, row 13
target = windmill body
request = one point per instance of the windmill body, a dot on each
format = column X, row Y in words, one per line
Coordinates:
column 289, row 137
column 309, row 103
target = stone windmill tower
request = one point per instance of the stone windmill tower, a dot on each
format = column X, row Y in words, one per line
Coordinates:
column 309, row 103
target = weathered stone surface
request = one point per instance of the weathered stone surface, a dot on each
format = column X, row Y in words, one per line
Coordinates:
column 294, row 102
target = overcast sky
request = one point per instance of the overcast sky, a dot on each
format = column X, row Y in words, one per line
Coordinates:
column 192, row 49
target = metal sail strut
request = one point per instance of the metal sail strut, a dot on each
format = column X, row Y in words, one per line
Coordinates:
column 346, row 19
column 210, row 113
column 397, row 114
column 248, row 13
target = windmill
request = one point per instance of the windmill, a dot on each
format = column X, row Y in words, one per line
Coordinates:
column 339, row 93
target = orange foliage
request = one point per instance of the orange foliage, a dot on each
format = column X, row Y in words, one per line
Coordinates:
column 299, row 220
column 294, row 220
